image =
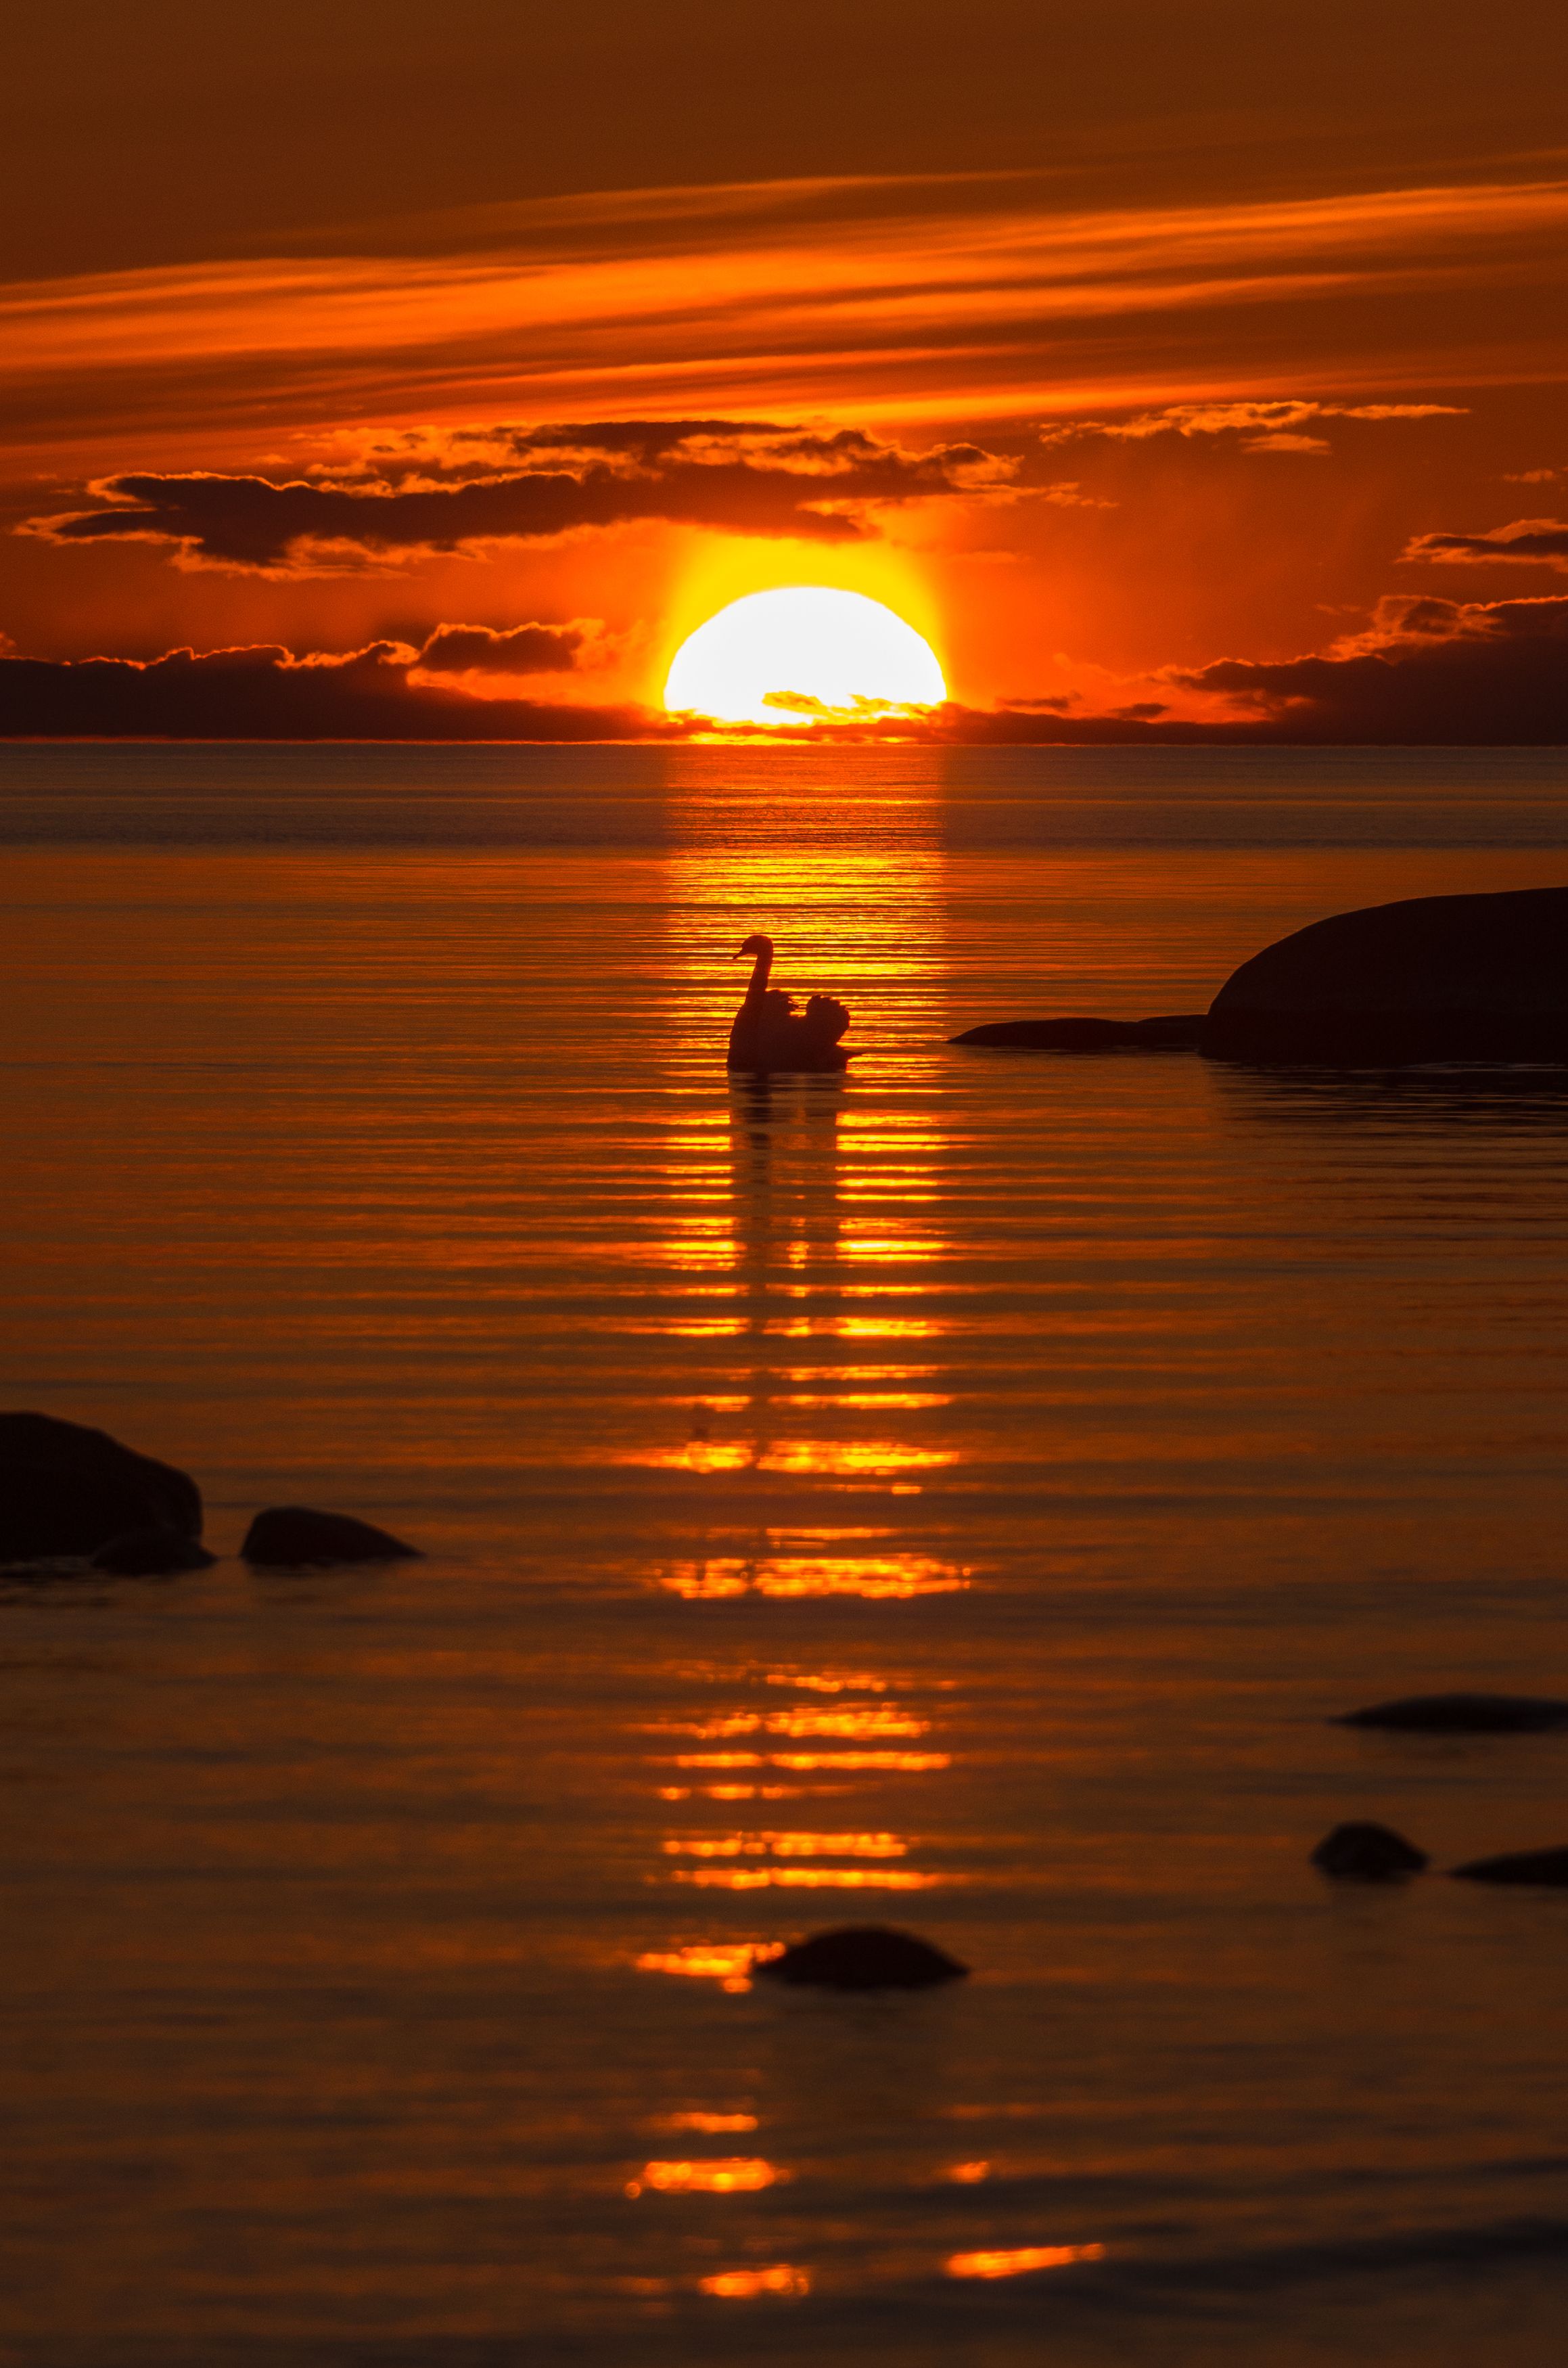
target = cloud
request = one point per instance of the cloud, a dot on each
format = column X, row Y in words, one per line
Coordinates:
column 1536, row 542
column 524, row 649
column 944, row 296
column 265, row 692
column 1426, row 672
column 1068, row 495
column 731, row 476
column 1270, row 427
column 1533, row 477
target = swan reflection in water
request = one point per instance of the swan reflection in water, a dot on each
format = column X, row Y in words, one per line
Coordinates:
column 769, row 1036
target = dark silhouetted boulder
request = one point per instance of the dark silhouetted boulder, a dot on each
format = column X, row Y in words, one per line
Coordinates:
column 1437, row 978
column 863, row 1957
column 1367, row 1853
column 1547, row 1866
column 152, row 1554
column 67, row 1490
column 1462, row 1714
column 292, row 1537
column 1176, row 1033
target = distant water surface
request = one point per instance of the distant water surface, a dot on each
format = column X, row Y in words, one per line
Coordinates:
column 956, row 1494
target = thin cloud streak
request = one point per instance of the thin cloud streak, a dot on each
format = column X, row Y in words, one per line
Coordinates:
column 919, row 298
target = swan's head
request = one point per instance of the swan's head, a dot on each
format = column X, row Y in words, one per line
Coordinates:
column 755, row 945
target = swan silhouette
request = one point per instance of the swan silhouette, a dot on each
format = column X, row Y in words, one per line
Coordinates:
column 769, row 1034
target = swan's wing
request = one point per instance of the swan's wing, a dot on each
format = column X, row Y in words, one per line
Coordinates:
column 828, row 1017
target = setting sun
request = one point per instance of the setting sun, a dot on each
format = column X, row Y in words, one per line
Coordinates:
column 802, row 655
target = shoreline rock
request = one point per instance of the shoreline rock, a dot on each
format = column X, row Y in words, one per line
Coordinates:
column 296, row 1537
column 863, row 1957
column 1366, row 1852
column 1469, row 979
column 68, row 1490
column 152, row 1554
column 1173, row 1032
column 1547, row 1867
column 1430, row 978
column 1462, row 1714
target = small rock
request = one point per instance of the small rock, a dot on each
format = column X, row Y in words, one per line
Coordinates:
column 1364, row 1853
column 291, row 1537
column 863, row 1957
column 65, row 1489
column 1462, row 1714
column 1547, row 1866
column 1173, row 1032
column 152, row 1554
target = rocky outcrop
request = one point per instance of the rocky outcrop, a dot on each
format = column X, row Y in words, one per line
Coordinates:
column 1437, row 978
column 1176, row 1032
column 67, row 1490
column 152, row 1554
column 863, row 1957
column 1365, row 1852
column 294, row 1537
column 1548, row 1866
column 1462, row 1714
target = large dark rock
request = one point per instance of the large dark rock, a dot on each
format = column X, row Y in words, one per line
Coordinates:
column 67, row 1490
column 1365, row 1852
column 1176, row 1032
column 1547, row 1866
column 863, row 1957
column 1462, row 1714
column 1437, row 978
column 152, row 1554
column 292, row 1537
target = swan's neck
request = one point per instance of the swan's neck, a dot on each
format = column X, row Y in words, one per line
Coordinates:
column 759, row 971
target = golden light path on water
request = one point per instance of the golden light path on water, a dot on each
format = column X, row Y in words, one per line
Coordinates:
column 809, row 1221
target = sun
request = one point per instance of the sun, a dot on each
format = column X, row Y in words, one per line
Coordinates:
column 801, row 655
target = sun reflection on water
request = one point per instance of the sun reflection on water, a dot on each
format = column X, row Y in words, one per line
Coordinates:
column 743, row 2285
column 735, row 2175
column 1015, row 2263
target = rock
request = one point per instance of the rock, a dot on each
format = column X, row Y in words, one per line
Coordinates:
column 863, row 1957
column 1436, row 978
column 1547, row 1866
column 1367, row 1853
column 152, row 1554
column 1462, row 1714
column 67, row 1490
column 290, row 1537
column 1176, row 1033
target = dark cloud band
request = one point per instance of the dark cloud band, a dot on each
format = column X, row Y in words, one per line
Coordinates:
column 1427, row 672
column 738, row 478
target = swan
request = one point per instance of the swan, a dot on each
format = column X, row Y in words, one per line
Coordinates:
column 770, row 1034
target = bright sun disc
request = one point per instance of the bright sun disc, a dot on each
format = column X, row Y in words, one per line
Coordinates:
column 800, row 656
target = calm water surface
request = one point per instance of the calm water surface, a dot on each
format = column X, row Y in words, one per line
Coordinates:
column 956, row 1494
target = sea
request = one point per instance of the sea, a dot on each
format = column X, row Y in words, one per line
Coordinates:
column 961, row 1495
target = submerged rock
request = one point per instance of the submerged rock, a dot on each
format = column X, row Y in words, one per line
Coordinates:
column 1547, row 1866
column 1462, row 1714
column 292, row 1537
column 1365, row 1852
column 152, row 1554
column 863, row 1957
column 1434, row 978
column 65, row 1489
column 1176, row 1033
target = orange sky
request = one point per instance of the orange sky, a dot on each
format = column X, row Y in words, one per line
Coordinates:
column 1147, row 359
